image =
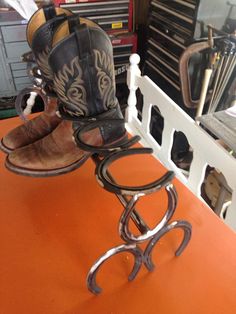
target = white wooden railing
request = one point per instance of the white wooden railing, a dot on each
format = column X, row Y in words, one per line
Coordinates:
column 206, row 151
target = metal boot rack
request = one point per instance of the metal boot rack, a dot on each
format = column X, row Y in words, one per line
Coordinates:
column 129, row 197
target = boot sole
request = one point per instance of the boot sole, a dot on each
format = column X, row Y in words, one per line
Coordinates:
column 45, row 173
column 53, row 172
column 4, row 148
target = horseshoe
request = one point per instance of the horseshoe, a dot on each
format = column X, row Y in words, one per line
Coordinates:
column 131, row 248
column 182, row 224
column 105, row 181
column 124, row 231
column 106, row 147
column 20, row 98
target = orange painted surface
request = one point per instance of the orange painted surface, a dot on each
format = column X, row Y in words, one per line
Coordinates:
column 53, row 229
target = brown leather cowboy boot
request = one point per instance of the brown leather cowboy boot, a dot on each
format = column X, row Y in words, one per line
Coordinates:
column 32, row 130
column 40, row 30
column 82, row 63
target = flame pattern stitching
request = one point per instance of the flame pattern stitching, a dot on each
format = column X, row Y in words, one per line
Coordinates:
column 70, row 88
column 42, row 61
column 106, row 78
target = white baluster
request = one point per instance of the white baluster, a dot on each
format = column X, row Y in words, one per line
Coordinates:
column 196, row 173
column 231, row 212
column 30, row 103
column 146, row 114
column 133, row 73
column 167, row 140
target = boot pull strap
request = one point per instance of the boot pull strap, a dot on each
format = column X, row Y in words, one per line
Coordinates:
column 83, row 41
column 73, row 22
column 49, row 11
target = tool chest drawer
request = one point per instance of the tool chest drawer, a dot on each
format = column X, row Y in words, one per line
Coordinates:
column 164, row 72
column 123, row 46
column 167, row 43
column 12, row 45
column 13, row 33
column 173, row 30
column 124, row 43
column 20, row 86
column 111, row 22
column 22, row 80
column 152, row 70
column 163, row 60
column 110, row 15
column 19, row 73
column 164, row 67
column 175, row 9
column 18, row 66
column 15, row 50
column 162, row 52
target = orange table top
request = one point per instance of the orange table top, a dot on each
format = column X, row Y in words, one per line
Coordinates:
column 53, row 229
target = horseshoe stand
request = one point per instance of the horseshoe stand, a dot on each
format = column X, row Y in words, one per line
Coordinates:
column 129, row 197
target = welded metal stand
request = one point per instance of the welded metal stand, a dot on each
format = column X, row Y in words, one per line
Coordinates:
column 129, row 197
column 104, row 156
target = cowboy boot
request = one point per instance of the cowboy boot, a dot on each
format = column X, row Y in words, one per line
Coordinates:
column 82, row 63
column 39, row 33
column 40, row 30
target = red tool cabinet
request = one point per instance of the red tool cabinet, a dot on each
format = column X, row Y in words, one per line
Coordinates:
column 111, row 15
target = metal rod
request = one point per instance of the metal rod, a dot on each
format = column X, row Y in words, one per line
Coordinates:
column 205, row 85
column 226, row 68
column 216, row 83
column 221, row 78
column 135, row 216
column 225, row 82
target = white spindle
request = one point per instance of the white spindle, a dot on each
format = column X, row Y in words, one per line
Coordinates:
column 132, row 77
column 167, row 140
column 231, row 212
column 146, row 114
column 197, row 173
column 30, row 103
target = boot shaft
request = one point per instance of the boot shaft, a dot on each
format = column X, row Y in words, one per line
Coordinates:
column 82, row 63
column 40, row 30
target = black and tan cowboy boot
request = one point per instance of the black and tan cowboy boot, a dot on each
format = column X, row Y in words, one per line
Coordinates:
column 82, row 63
column 40, row 30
